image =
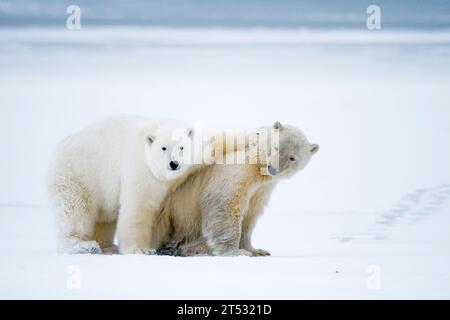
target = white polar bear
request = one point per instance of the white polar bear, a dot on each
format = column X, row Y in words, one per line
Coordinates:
column 117, row 172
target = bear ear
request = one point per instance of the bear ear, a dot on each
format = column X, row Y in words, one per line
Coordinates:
column 277, row 125
column 150, row 139
column 314, row 148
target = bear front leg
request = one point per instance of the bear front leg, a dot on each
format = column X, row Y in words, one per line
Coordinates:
column 255, row 209
column 134, row 229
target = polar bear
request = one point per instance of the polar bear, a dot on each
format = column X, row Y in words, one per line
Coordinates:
column 215, row 209
column 117, row 172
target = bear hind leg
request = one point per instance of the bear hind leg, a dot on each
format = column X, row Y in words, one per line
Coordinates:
column 76, row 218
column 222, row 231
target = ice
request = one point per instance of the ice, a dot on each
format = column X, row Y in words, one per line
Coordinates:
column 375, row 197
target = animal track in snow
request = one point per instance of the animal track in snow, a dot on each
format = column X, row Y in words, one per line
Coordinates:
column 410, row 209
column 417, row 204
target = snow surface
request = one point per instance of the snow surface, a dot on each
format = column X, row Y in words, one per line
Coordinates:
column 368, row 218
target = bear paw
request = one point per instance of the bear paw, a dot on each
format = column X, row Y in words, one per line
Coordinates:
column 85, row 247
column 236, row 253
column 243, row 252
column 145, row 251
column 114, row 249
column 260, row 253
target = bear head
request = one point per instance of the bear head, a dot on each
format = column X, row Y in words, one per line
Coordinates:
column 286, row 151
column 168, row 152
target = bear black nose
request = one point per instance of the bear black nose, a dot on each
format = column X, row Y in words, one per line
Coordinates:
column 173, row 165
column 272, row 170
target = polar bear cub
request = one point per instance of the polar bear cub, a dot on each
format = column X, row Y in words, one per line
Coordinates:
column 216, row 208
column 116, row 172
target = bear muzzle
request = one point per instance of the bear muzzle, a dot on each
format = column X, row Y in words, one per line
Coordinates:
column 272, row 170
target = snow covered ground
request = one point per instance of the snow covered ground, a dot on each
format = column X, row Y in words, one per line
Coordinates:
column 368, row 218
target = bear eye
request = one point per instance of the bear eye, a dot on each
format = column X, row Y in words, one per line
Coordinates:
column 164, row 148
column 181, row 148
column 292, row 158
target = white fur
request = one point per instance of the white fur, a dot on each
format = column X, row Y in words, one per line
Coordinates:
column 114, row 169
